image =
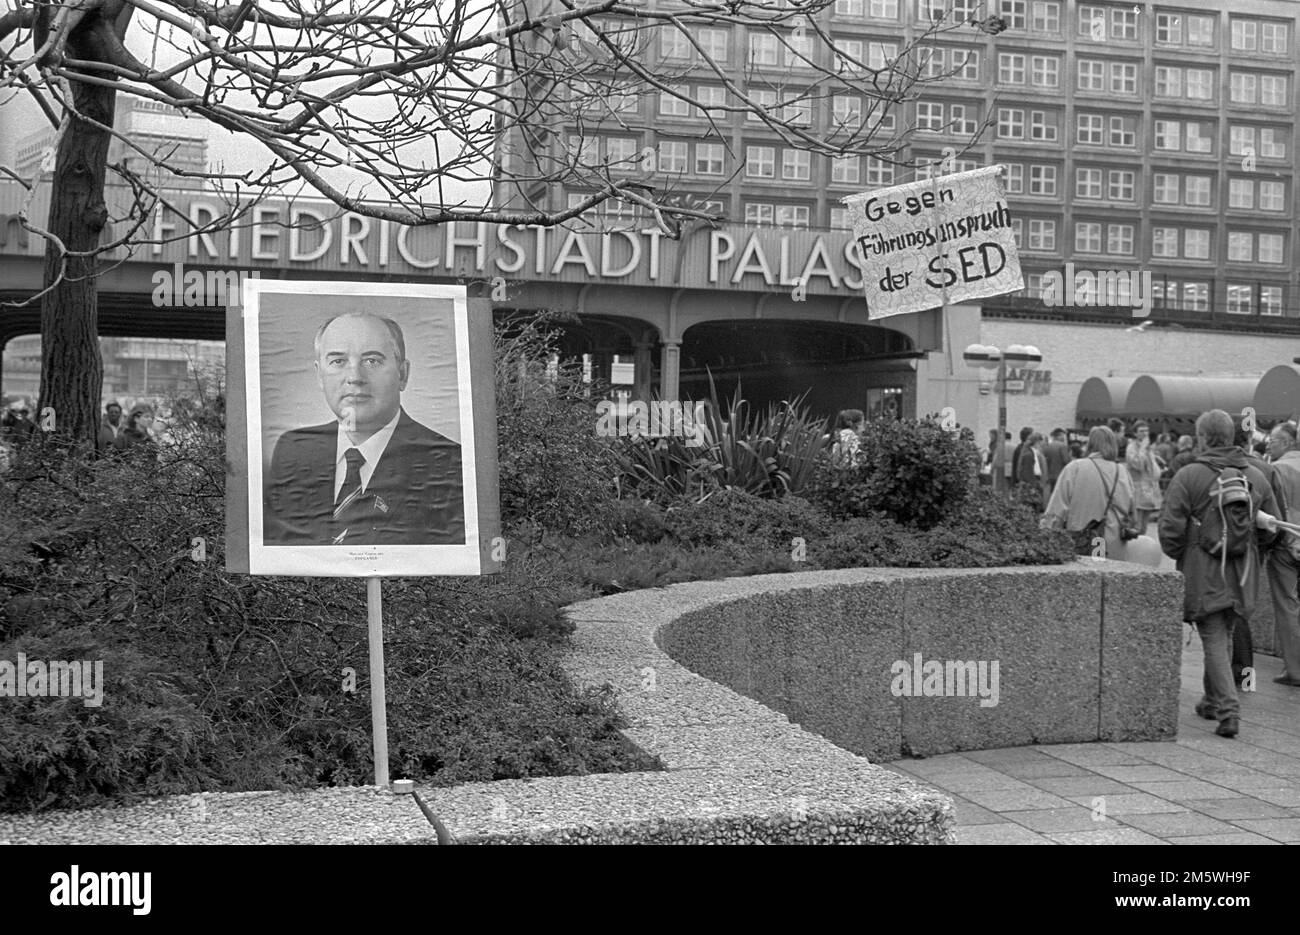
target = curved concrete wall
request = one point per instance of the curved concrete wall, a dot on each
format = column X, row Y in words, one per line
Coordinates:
column 1071, row 653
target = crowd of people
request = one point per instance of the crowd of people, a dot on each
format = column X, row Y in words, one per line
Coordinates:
column 1215, row 499
column 116, row 432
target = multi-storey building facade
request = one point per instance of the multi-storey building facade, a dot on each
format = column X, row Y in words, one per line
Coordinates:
column 1151, row 136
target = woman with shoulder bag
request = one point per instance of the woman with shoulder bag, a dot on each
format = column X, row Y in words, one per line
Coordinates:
column 1093, row 496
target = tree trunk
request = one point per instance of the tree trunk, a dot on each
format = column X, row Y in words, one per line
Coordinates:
column 72, row 370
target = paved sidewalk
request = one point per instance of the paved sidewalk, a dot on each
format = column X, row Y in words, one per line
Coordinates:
column 1198, row 789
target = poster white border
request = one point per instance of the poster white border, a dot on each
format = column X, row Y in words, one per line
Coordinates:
column 361, row 560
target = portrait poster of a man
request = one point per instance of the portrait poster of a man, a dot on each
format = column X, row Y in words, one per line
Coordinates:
column 360, row 430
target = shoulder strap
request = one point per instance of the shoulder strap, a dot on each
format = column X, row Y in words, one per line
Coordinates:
column 1110, row 496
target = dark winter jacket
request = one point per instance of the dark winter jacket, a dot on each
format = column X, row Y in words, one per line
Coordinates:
column 1206, row 589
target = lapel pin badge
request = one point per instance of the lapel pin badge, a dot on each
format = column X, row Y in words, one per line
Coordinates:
column 380, row 505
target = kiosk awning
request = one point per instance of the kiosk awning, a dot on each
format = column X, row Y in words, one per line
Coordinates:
column 1103, row 397
column 1155, row 397
column 1277, row 398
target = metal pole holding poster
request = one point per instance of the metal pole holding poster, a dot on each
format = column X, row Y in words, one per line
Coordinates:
column 378, row 705
column 361, row 436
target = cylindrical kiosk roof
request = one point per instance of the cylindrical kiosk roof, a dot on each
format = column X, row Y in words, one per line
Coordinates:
column 1277, row 398
column 1103, row 397
column 1187, row 397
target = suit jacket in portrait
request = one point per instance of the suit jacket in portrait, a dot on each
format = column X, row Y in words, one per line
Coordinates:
column 414, row 497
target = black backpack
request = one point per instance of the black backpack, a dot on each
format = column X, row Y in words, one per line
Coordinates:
column 1226, row 525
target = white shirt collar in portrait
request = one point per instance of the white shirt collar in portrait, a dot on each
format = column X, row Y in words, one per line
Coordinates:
column 372, row 449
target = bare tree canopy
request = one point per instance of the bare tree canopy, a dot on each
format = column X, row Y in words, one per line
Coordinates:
column 413, row 112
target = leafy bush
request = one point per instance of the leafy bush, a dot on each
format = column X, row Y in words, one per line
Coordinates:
column 914, row 472
column 769, row 453
column 555, row 470
column 733, row 516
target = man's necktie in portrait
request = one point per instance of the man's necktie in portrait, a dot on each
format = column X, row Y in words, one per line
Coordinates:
column 372, row 475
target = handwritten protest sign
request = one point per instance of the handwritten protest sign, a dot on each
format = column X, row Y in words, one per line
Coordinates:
column 926, row 244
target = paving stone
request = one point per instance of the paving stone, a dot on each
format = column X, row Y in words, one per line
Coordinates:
column 1092, row 754
column 1049, row 767
column 1133, row 803
column 1238, row 807
column 1183, row 789
column 1178, row 824
column 969, row 814
column 1054, row 819
column 1287, row 797
column 1286, row 830
column 1013, row 800
column 1080, row 785
column 1240, row 837
column 1112, row 835
column 1143, row 773
column 984, row 781
column 1008, row 756
column 1005, row 833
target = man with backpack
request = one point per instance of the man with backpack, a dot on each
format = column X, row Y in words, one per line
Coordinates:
column 1219, row 513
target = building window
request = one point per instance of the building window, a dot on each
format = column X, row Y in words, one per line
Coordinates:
column 1087, row 183
column 848, row 55
column 1087, row 237
column 760, row 162
column 1168, row 81
column 1018, row 232
column 840, row 219
column 1123, row 78
column 1169, row 29
column 674, row 156
column 757, row 214
column 708, row 96
column 1241, row 88
column 1013, row 11
column 792, row 215
column 1165, row 188
column 1011, row 68
column 1200, row 137
column 1270, row 248
column 1011, row 123
column 846, row 111
column 883, row 9
column 1045, row 16
column 1196, row 243
column 1169, row 135
column 1045, row 71
column 762, row 49
column 584, row 150
column 966, row 64
column 1091, row 23
column 851, row 8
column 1042, row 234
column 1200, row 84
column 621, row 153
column 1120, row 185
column 1092, row 75
column 1123, row 23
column 1239, row 299
column 879, row 172
column 1200, row 31
column 1014, row 177
column 1043, row 125
column 847, row 170
column 1272, row 90
column 674, row 44
column 715, row 43
column 881, row 55
column 1196, row 190
column 1270, row 298
column 709, row 158
column 1241, row 193
column 1119, row 239
column 765, row 102
column 1042, row 180
column 1272, row 196
column 1164, row 242
column 1272, row 144
column 1274, row 38
column 1123, row 132
column 1088, row 129
column 1196, row 296
column 1245, row 35
column 672, row 106
column 797, row 113
column 959, row 123
column 796, row 165
column 929, row 116
column 797, row 52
